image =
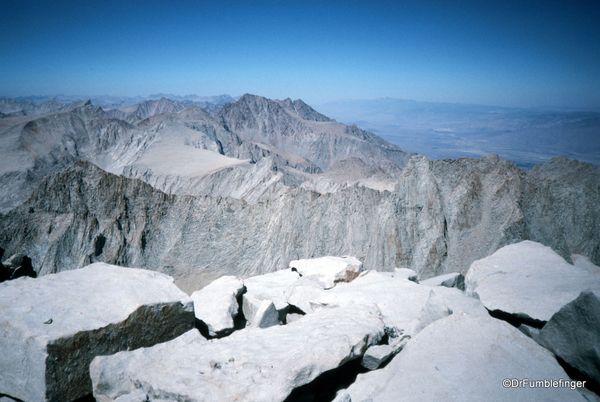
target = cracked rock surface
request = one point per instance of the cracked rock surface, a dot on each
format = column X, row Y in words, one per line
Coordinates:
column 249, row 365
column 52, row 327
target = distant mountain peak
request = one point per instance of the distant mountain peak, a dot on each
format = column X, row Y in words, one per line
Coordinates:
column 304, row 111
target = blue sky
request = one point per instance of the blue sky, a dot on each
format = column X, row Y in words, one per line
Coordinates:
column 505, row 53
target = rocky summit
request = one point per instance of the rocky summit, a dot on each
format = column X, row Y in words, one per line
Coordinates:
column 378, row 336
column 321, row 262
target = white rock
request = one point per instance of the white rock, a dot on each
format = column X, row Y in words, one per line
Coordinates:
column 292, row 317
column 435, row 309
column 342, row 397
column 529, row 280
column 376, row 355
column 465, row 358
column 302, row 292
column 451, row 280
column 216, row 304
column 399, row 300
column 271, row 287
column 52, row 327
column 266, row 316
column 328, row 271
column 248, row 365
column 406, row 273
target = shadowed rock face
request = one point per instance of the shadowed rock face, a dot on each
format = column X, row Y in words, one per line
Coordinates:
column 441, row 217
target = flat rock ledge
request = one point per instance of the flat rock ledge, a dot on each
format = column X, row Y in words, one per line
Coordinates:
column 529, row 280
column 52, row 327
column 249, row 365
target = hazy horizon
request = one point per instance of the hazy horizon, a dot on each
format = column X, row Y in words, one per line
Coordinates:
column 514, row 54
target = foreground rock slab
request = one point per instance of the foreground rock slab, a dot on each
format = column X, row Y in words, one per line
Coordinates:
column 466, row 358
column 528, row 280
column 327, row 271
column 216, row 304
column 249, row 365
column 573, row 334
column 52, row 327
column 399, row 299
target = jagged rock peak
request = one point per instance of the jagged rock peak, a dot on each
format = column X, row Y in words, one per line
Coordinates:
column 254, row 104
column 153, row 107
column 303, row 110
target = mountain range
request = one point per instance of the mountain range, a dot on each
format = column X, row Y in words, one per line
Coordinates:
column 197, row 195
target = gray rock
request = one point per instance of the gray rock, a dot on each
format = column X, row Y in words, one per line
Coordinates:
column 18, row 265
column 376, row 355
column 327, row 271
column 451, row 280
column 441, row 216
column 216, row 305
column 590, row 396
column 530, row 331
column 465, row 358
column 573, row 334
column 248, row 365
column 529, row 280
column 312, row 136
column 53, row 326
column 266, row 316
column 435, row 309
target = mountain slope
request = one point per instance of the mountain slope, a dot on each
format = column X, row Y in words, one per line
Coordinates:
column 441, row 216
column 296, row 128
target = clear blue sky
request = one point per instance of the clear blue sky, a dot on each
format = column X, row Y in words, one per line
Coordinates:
column 506, row 53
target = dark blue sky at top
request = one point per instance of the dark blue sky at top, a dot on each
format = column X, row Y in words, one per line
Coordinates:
column 506, row 53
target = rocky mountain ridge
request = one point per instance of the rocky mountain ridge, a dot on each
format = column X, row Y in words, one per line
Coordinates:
column 177, row 148
column 441, row 216
column 296, row 128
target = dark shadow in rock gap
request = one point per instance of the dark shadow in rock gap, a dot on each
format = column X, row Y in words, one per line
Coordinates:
column 516, row 319
column 324, row 387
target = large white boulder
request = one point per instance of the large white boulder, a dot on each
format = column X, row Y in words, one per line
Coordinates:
column 529, row 280
column 400, row 300
column 53, row 326
column 249, row 365
column 328, row 271
column 271, row 287
column 467, row 358
column 216, row 304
